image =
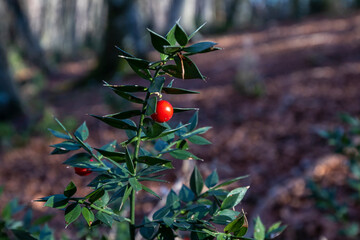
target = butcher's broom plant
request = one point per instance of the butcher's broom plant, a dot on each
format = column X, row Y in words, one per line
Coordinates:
column 202, row 209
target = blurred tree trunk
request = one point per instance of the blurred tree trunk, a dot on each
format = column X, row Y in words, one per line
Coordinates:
column 25, row 38
column 10, row 104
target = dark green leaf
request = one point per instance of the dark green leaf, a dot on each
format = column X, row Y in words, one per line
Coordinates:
column 124, row 115
column 72, row 212
column 168, row 131
column 168, row 221
column 117, row 123
column 171, row 90
column 116, row 156
column 129, row 97
column 81, row 160
column 88, row 215
column 128, row 191
column 56, row 201
column 172, row 200
column 139, row 66
column 199, row 47
column 158, row 41
column 212, row 179
column 193, row 34
column 239, row 226
column 22, row 235
column 162, row 212
column 59, row 151
column 70, row 189
column 127, row 88
column 59, row 134
column 153, row 160
column 195, row 132
column 196, row 182
column 193, row 121
column 177, row 110
column 119, row 194
column 105, row 218
column 46, row 233
column 228, row 182
column 95, row 195
column 198, row 140
column 68, row 146
column 150, row 191
column 135, row 184
column 275, row 230
column 170, row 36
column 129, row 161
column 224, row 217
column 166, row 233
column 259, row 229
column 151, row 106
column 183, row 155
column 186, row 195
column 171, row 49
column 234, row 197
column 152, row 129
column 149, row 229
column 156, row 85
column 82, row 132
column 180, row 35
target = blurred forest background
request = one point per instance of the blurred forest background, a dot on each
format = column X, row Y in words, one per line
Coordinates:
column 287, row 69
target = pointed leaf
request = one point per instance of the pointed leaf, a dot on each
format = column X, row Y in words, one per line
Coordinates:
column 180, row 35
column 228, row 182
column 259, row 229
column 153, row 160
column 82, row 132
column 199, row 47
column 135, row 184
column 156, row 85
column 125, row 115
column 150, row 191
column 178, row 110
column 171, row 90
column 116, row 156
column 59, row 134
column 88, row 215
column 126, row 88
column 234, row 198
column 117, row 123
column 129, row 161
column 183, row 155
column 67, row 146
column 95, row 195
column 212, row 179
column 105, row 218
column 170, row 36
column 158, row 41
column 129, row 97
column 198, row 140
column 198, row 29
column 186, row 195
column 70, row 189
column 151, row 106
column 196, row 182
column 193, row 121
column 72, row 212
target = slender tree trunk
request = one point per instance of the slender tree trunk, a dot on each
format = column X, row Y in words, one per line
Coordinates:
column 10, row 104
column 25, row 37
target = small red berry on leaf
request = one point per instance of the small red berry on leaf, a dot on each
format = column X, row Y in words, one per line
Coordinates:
column 164, row 112
column 83, row 171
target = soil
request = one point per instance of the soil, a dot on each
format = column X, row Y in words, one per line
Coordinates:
column 307, row 72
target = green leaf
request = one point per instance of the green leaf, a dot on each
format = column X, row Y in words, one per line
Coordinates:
column 21, row 234
column 59, row 134
column 81, row 160
column 72, row 212
column 125, row 115
column 259, row 229
column 70, row 189
column 183, row 155
column 88, row 215
column 126, row 195
column 180, row 35
column 158, row 41
column 105, row 218
column 178, row 110
column 170, row 36
column 150, row 191
column 117, row 123
column 172, row 200
column 139, row 66
column 171, row 90
column 166, row 233
column 193, row 121
column 186, row 195
column 228, row 182
column 149, row 229
column 224, row 217
column 46, row 233
column 199, row 47
column 169, row 50
column 67, row 146
column 126, row 88
column 198, row 140
column 156, row 85
column 129, row 161
column 152, row 129
column 151, row 106
column 153, row 160
column 135, row 184
column 239, row 226
column 95, row 195
column 275, row 230
column 82, row 132
column 57, row 201
column 129, row 97
column 198, row 29
column 234, row 197
column 212, row 179
column 59, row 151
column 196, row 182
column 195, row 132
column 116, row 156
column 119, row 194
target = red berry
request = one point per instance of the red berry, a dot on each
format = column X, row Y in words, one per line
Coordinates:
column 164, row 112
column 83, row 171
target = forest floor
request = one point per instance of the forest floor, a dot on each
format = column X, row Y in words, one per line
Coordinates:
column 307, row 72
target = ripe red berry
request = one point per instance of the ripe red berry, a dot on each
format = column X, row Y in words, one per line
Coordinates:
column 83, row 171
column 164, row 112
